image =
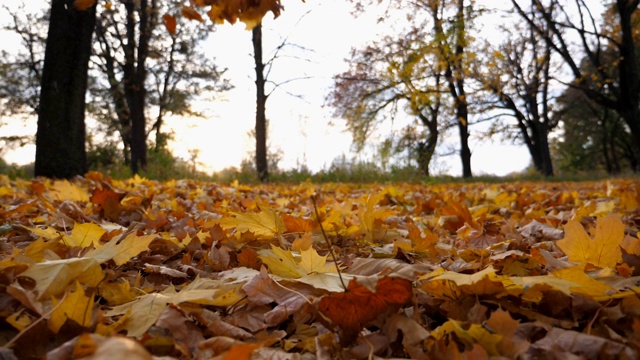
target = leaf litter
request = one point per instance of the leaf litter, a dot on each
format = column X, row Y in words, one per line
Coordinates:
column 103, row 268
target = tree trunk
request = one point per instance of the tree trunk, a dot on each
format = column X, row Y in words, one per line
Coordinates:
column 544, row 153
column 462, row 108
column 60, row 138
column 629, row 100
column 262, row 166
column 143, row 15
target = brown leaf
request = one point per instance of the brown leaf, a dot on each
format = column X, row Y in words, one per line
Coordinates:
column 169, row 23
column 351, row 310
column 191, row 14
column 82, row 5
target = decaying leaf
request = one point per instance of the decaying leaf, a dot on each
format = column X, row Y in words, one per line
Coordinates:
column 351, row 310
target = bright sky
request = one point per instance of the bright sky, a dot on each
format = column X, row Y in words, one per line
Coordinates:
column 299, row 125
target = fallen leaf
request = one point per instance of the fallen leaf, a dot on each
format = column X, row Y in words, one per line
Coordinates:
column 266, row 224
column 351, row 310
column 603, row 250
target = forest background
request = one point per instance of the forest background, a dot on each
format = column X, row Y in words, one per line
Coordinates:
column 409, row 96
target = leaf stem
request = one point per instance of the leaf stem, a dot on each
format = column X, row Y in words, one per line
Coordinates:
column 324, row 234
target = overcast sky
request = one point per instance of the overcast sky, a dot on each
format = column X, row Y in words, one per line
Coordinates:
column 300, row 126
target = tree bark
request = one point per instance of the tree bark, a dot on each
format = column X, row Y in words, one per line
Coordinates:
column 262, row 166
column 60, row 137
column 455, row 75
column 629, row 98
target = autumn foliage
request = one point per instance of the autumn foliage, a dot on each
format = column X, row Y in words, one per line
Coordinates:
column 104, row 268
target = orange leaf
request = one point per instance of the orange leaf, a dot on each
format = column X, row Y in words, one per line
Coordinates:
column 108, row 202
column 169, row 23
column 240, row 351
column 297, row 225
column 82, row 5
column 350, row 311
column 603, row 250
column 191, row 14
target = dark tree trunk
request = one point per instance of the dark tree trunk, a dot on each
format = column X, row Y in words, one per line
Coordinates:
column 463, row 129
column 135, row 74
column 545, row 167
column 462, row 107
column 455, row 75
column 629, row 99
column 627, row 93
column 262, row 166
column 427, row 148
column 60, row 138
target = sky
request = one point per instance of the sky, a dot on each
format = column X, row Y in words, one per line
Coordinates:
column 302, row 128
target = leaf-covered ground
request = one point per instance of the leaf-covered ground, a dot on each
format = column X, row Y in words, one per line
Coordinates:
column 98, row 268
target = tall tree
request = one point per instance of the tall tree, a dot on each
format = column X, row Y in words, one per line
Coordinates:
column 619, row 90
column 395, row 74
column 176, row 72
column 21, row 71
column 60, row 138
column 519, row 73
column 452, row 44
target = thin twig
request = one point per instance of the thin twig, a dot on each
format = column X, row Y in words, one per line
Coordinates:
column 324, row 234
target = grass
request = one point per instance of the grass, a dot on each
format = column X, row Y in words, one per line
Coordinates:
column 163, row 166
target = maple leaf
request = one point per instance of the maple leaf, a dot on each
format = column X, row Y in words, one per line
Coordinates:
column 603, row 250
column 282, row 262
column 85, row 235
column 169, row 23
column 52, row 277
column 369, row 213
column 76, row 306
column 265, row 225
column 351, row 310
column 122, row 251
column 64, row 190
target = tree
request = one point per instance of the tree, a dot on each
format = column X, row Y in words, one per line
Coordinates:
column 450, row 22
column 21, row 71
column 594, row 137
column 519, row 74
column 60, row 138
column 452, row 44
column 175, row 72
column 619, row 90
column 395, row 74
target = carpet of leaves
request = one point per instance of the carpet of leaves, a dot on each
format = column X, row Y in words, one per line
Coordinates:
column 99, row 268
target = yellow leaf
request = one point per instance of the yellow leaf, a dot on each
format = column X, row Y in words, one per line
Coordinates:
column 281, row 262
column 123, row 251
column 84, row 235
column 64, row 190
column 117, row 293
column 143, row 312
column 48, row 232
column 586, row 285
column 311, row 263
column 52, row 277
column 266, row 224
column 76, row 306
column 602, row 251
column 19, row 319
